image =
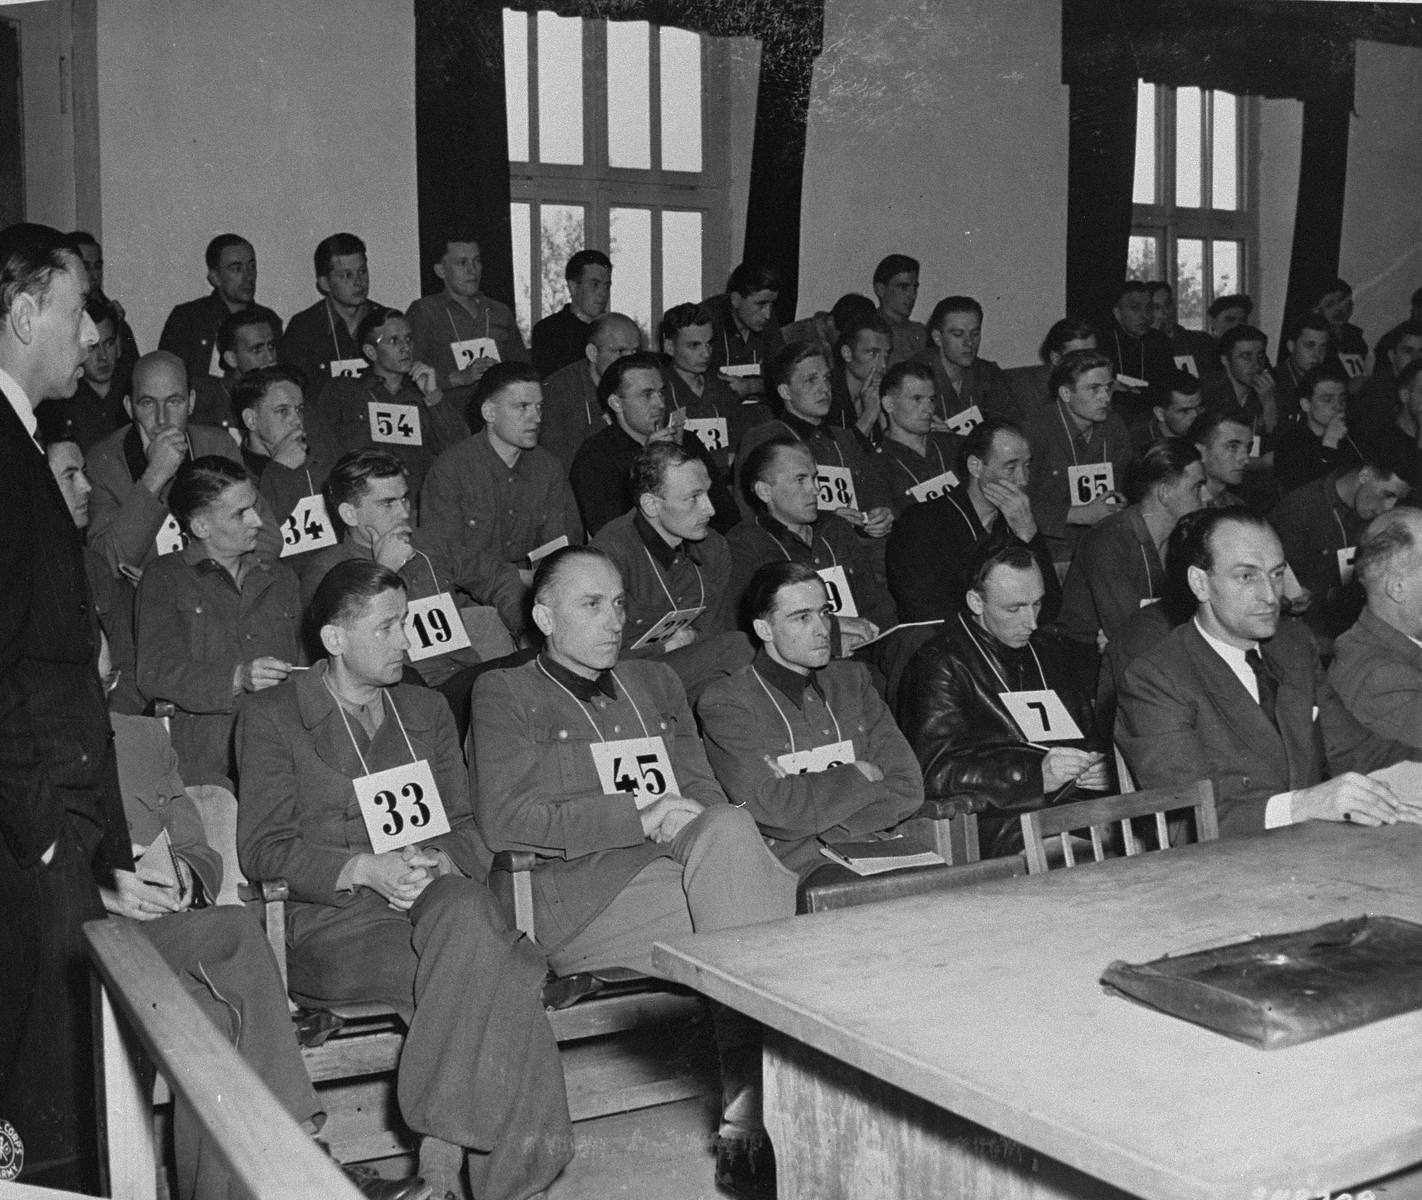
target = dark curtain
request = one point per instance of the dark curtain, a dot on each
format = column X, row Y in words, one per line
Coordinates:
column 1270, row 48
column 461, row 125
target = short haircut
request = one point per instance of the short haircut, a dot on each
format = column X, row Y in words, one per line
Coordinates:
column 1386, row 537
column 761, row 461
column 1075, row 364
column 871, row 322
column 758, row 600
column 223, row 241
column 372, row 321
column 243, row 318
column 950, row 305
column 994, row 554
column 1197, row 547
column 908, row 369
column 82, row 237
column 1068, row 329
column 611, row 382
column 581, row 261
column 1159, row 285
column 454, row 234
column 1208, row 423
column 1335, row 285
column 849, row 306
column 1183, row 383
column 1164, row 461
column 683, row 316
column 1128, row 287
column 30, row 255
column 1389, row 457
column 783, row 365
column 1241, row 333
column 350, row 478
column 1409, row 328
column 1222, row 304
column 895, row 264
column 556, row 565
column 199, row 482
column 255, row 384
column 650, row 467
column 1408, row 375
column 1416, row 301
column 101, row 310
column 1314, row 321
column 1325, row 372
column 750, row 278
column 978, row 443
column 1177, row 600
column 498, row 378
column 329, row 248
column 54, row 424
column 346, row 590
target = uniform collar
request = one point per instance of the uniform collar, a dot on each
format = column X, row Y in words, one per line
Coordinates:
column 581, row 686
column 790, row 684
column 658, row 547
column 800, row 427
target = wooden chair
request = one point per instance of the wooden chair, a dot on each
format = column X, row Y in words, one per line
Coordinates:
column 145, row 1017
column 1098, row 815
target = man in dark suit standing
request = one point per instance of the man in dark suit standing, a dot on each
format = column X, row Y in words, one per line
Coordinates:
column 1240, row 696
column 61, row 816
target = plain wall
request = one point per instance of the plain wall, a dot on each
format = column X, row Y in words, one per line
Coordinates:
column 1280, row 136
column 940, row 130
column 1382, row 217
column 281, row 122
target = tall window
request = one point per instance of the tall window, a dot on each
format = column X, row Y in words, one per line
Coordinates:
column 616, row 143
column 1195, row 215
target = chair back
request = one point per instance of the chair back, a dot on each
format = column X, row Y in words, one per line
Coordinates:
column 218, row 809
column 1098, row 815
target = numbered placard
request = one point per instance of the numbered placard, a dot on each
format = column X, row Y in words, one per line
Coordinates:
column 214, row 363
column 1346, row 557
column 1186, row 362
column 821, row 758
column 1354, row 365
column 169, row 537
column 668, row 627
column 471, row 349
column 1089, row 482
column 547, row 548
column 1041, row 716
column 712, row 431
column 346, row 368
column 836, row 488
column 395, row 424
column 1256, row 446
column 433, row 626
column 931, row 489
column 401, row 806
column 841, row 596
column 308, row 528
column 1130, row 381
column 963, row 423
column 637, row 767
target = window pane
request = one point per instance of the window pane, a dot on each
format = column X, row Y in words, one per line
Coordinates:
column 560, row 89
column 1225, row 160
column 1190, row 282
column 1143, row 261
column 681, row 258
column 1188, row 187
column 561, row 236
column 629, row 94
column 631, row 254
column 1226, row 269
column 1145, row 143
column 521, row 216
column 681, row 100
column 516, row 82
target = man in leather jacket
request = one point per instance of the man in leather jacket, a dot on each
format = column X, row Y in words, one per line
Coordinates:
column 957, row 699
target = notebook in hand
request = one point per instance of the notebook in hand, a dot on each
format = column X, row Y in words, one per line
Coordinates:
column 159, row 864
column 882, row 854
column 1286, row 988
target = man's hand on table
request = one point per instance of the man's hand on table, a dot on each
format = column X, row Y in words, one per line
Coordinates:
column 1353, row 797
column 667, row 816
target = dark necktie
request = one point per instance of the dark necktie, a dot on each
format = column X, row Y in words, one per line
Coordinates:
column 1268, row 686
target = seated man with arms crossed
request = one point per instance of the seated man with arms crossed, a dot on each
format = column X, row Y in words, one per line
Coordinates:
column 676, row 569
column 1238, row 695
column 595, row 765
column 804, row 742
column 991, row 705
column 409, row 924
column 1377, row 664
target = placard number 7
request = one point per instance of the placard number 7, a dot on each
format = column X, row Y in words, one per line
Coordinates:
column 1041, row 712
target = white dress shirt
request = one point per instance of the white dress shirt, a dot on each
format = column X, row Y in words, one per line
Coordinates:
column 20, row 403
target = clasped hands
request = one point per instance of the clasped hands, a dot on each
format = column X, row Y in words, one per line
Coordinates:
column 400, row 875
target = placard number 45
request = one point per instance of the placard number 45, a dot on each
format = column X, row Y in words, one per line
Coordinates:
column 652, row 781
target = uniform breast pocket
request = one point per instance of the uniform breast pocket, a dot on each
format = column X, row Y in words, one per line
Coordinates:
column 568, row 748
column 197, row 629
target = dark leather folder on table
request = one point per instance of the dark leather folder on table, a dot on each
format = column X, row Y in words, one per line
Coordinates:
column 1286, row 988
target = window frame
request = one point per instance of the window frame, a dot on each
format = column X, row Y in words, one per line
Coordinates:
column 1167, row 222
column 598, row 187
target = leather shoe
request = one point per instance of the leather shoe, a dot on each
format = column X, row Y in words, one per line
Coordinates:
column 375, row 1186
column 745, row 1164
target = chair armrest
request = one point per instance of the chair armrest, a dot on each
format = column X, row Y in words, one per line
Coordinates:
column 268, row 891
column 515, row 860
column 165, row 709
column 511, row 881
column 272, row 894
column 945, row 809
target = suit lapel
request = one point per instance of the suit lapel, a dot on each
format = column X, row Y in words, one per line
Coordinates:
column 1237, row 708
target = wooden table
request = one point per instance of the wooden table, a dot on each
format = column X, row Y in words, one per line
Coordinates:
column 960, row 1044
